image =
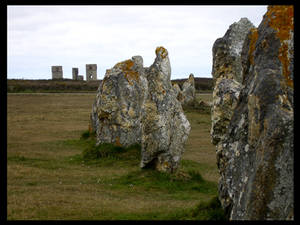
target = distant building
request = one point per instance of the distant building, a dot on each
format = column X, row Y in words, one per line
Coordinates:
column 57, row 72
column 91, row 72
column 75, row 73
column 80, row 77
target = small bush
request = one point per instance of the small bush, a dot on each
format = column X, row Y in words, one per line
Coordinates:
column 196, row 176
column 211, row 210
column 108, row 150
column 101, row 151
column 85, row 135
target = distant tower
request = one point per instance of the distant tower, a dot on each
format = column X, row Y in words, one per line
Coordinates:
column 91, row 72
column 57, row 72
column 75, row 73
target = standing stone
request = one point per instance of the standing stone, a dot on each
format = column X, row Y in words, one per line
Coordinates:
column 165, row 128
column 257, row 150
column 177, row 90
column 94, row 120
column 188, row 91
column 116, row 112
column 227, row 51
column 138, row 105
column 227, row 75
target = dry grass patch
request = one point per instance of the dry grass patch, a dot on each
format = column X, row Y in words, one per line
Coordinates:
column 47, row 177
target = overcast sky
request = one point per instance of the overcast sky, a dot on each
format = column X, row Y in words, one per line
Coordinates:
column 72, row 36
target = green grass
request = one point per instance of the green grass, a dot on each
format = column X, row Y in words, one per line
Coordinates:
column 181, row 185
column 185, row 184
column 211, row 210
column 55, row 171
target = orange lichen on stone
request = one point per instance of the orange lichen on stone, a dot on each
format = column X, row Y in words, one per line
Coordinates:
column 118, row 141
column 281, row 19
column 129, row 73
column 283, row 57
column 225, row 71
column 163, row 51
column 253, row 38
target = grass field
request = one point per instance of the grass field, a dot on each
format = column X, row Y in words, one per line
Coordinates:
column 47, row 177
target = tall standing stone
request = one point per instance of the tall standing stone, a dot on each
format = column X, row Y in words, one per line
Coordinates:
column 165, row 128
column 258, row 152
column 138, row 105
column 227, row 76
column 188, row 90
column 116, row 111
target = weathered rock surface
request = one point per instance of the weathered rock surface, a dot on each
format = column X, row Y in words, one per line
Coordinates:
column 227, row 75
column 188, row 90
column 116, row 112
column 138, row 105
column 257, row 152
column 165, row 128
column 227, row 51
column 225, row 96
column 177, row 91
column 94, row 120
column 186, row 95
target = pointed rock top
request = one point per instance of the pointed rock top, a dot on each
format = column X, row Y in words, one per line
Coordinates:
column 161, row 52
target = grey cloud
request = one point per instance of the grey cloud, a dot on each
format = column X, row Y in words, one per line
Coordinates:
column 76, row 35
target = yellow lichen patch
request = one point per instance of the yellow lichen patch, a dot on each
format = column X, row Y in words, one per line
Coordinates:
column 225, row 71
column 103, row 115
column 281, row 19
column 162, row 51
column 129, row 73
column 131, row 112
column 118, row 141
column 285, row 103
column 253, row 35
column 180, row 97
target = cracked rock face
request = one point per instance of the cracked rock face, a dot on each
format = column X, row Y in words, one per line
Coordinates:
column 257, row 176
column 186, row 96
column 138, row 105
column 165, row 128
column 227, row 70
column 177, row 91
column 116, row 111
column 227, row 75
column 188, row 90
column 227, row 51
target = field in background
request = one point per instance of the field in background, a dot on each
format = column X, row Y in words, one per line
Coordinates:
column 68, row 85
column 46, row 178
